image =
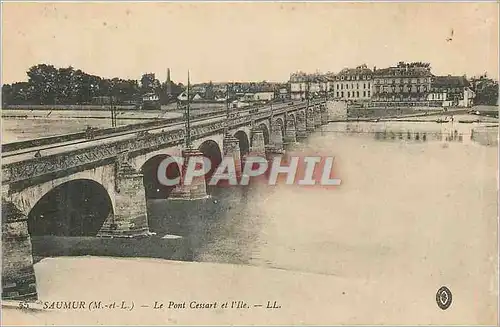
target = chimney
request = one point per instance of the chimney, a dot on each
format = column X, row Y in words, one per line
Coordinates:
column 374, row 68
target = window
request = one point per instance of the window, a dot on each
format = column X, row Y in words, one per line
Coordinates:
column 357, row 94
column 368, row 85
column 349, row 94
column 368, row 93
column 341, row 86
column 342, row 94
column 337, row 94
column 357, row 85
column 364, row 93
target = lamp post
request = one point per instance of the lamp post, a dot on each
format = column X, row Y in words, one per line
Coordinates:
column 188, row 118
column 226, row 125
column 113, row 111
column 308, row 90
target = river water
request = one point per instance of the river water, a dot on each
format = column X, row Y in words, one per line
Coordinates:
column 424, row 209
column 409, row 216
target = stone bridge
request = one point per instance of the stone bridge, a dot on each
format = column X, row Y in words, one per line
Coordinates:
column 100, row 187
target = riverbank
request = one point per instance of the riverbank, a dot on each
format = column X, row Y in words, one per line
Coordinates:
column 95, row 107
column 301, row 298
column 458, row 117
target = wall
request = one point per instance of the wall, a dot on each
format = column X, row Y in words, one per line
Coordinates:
column 485, row 135
column 266, row 96
column 336, row 110
column 67, row 107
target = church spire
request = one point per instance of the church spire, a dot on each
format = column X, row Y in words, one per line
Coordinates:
column 168, row 83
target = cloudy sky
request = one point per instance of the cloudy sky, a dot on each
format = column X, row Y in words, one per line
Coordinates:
column 246, row 41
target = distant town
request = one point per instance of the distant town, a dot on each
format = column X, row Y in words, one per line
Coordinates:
column 404, row 84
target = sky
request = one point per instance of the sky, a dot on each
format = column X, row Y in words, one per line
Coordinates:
column 246, row 41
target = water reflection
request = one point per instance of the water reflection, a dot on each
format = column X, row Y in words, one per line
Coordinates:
column 398, row 198
column 421, row 132
column 256, row 225
column 218, row 229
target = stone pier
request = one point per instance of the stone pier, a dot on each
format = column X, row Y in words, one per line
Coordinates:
column 18, row 275
column 197, row 189
column 276, row 145
column 187, row 204
column 258, row 145
column 290, row 132
column 324, row 115
column 232, row 150
column 317, row 116
column 130, row 214
column 310, row 120
column 301, row 129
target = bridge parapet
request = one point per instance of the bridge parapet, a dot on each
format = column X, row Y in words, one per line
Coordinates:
column 24, row 172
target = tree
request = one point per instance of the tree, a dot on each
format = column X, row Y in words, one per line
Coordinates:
column 149, row 84
column 486, row 90
column 43, row 78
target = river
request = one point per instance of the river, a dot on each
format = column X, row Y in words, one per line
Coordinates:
column 410, row 216
column 403, row 205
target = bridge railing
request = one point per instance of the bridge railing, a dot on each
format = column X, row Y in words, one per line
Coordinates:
column 13, row 146
column 25, row 171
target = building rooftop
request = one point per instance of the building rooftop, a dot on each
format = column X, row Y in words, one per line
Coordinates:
column 360, row 70
column 314, row 77
column 414, row 69
column 449, row 81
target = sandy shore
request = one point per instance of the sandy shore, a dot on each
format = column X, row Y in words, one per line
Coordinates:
column 304, row 298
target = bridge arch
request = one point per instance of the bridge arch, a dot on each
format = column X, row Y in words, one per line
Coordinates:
column 244, row 142
column 263, row 127
column 78, row 207
column 211, row 150
column 152, row 186
column 278, row 122
column 291, row 121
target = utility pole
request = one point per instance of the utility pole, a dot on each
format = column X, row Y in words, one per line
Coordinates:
column 308, row 89
column 188, row 118
column 226, row 129
column 113, row 111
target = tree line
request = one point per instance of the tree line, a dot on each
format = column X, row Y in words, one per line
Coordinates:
column 486, row 90
column 49, row 85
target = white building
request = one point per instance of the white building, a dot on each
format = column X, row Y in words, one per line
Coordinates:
column 448, row 91
column 468, row 99
column 353, row 84
column 302, row 84
column 239, row 104
column 193, row 96
column 298, row 86
column 263, row 96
